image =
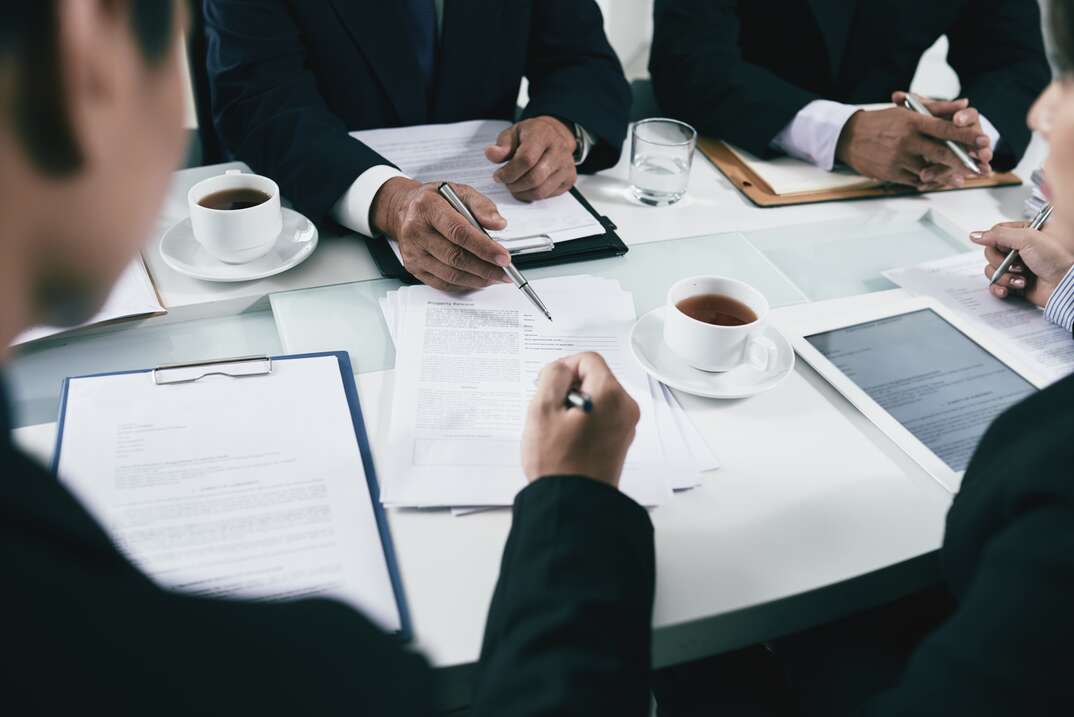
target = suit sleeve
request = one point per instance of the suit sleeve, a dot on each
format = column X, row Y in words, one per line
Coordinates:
column 575, row 75
column 700, row 76
column 997, row 49
column 568, row 632
column 268, row 110
column 1006, row 649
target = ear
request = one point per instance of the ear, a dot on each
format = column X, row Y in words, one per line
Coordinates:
column 91, row 63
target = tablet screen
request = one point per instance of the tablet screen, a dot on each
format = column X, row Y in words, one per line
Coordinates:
column 933, row 379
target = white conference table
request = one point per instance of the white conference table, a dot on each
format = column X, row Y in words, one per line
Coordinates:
column 814, row 513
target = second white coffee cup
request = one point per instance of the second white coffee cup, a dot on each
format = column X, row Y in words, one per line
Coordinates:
column 713, row 347
column 236, row 236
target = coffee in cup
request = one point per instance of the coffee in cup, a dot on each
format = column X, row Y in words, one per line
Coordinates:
column 715, row 324
column 236, row 216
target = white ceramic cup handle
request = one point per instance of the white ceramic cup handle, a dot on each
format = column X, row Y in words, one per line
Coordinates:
column 761, row 352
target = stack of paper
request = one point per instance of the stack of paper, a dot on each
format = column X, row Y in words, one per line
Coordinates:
column 959, row 283
column 1036, row 200
column 466, row 368
column 133, row 296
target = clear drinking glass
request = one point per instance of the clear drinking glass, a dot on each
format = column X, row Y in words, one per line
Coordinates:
column 661, row 151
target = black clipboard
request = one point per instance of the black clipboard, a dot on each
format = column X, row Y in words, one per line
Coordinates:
column 598, row 246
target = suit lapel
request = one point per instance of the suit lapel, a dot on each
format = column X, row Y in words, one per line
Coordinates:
column 835, row 17
column 467, row 49
column 379, row 29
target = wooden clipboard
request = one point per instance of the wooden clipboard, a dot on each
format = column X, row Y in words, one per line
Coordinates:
column 760, row 193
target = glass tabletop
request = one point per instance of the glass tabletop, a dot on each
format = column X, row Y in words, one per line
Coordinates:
column 789, row 265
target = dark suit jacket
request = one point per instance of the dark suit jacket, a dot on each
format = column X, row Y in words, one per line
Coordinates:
column 1008, row 557
column 568, row 631
column 741, row 70
column 290, row 78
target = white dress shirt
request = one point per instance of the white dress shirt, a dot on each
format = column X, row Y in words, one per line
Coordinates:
column 814, row 132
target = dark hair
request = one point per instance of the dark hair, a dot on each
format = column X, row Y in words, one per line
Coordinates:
column 1062, row 29
column 29, row 37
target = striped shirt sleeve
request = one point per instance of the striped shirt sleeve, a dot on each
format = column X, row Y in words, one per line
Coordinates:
column 1060, row 307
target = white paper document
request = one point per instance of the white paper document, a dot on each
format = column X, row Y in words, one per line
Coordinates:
column 133, row 295
column 247, row 487
column 959, row 283
column 456, row 153
column 466, row 368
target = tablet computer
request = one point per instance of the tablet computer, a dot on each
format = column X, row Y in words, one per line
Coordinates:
column 929, row 381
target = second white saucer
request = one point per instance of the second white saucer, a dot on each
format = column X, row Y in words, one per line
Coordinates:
column 663, row 364
column 182, row 252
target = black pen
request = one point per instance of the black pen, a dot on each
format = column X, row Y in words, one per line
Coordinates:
column 578, row 399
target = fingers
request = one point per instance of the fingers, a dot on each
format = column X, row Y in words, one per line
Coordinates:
column 1005, row 236
column 453, row 227
column 552, row 185
column 554, row 382
column 483, row 208
column 943, row 130
column 967, row 117
column 457, row 266
column 506, row 144
column 937, row 153
column 525, row 158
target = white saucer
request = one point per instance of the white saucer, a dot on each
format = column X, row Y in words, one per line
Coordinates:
column 183, row 253
column 647, row 343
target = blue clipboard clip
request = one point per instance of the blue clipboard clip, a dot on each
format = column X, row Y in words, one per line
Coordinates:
column 238, row 367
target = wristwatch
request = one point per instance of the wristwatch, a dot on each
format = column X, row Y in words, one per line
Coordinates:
column 582, row 143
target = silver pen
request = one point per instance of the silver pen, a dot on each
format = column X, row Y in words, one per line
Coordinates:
column 516, row 276
column 1038, row 221
column 912, row 103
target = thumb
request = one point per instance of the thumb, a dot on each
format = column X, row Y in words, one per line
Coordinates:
column 504, row 149
column 555, row 381
column 483, row 208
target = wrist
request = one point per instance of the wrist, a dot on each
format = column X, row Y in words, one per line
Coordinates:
column 385, row 207
column 567, row 130
column 846, row 138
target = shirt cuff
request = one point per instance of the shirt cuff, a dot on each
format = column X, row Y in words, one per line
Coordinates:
column 814, row 132
column 352, row 209
column 1060, row 307
column 990, row 130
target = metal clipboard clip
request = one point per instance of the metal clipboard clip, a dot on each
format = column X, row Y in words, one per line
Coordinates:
column 528, row 245
column 238, row 367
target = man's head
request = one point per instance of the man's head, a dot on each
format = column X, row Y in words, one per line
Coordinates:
column 90, row 129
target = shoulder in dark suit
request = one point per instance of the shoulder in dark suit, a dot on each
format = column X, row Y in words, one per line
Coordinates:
column 741, row 71
column 568, row 629
column 290, row 78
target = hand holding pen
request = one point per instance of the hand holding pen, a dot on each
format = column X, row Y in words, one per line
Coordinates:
column 1043, row 257
column 514, row 274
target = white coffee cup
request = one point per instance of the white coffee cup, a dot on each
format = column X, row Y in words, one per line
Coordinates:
column 236, row 236
column 711, row 347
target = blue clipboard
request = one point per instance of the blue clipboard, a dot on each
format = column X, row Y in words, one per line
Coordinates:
column 249, row 367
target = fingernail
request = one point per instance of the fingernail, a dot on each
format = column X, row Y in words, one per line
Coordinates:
column 1016, row 269
column 503, row 260
column 976, row 236
column 983, row 141
column 1018, row 282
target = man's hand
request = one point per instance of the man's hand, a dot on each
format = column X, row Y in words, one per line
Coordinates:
column 539, row 153
column 1044, row 258
column 568, row 441
column 898, row 145
column 438, row 245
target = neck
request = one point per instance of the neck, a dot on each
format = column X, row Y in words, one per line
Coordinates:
column 16, row 204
